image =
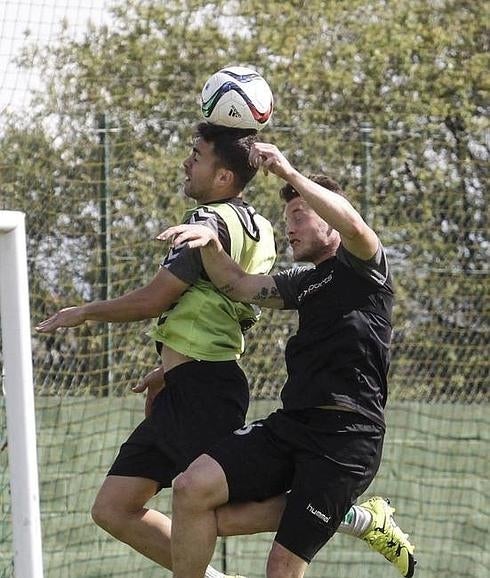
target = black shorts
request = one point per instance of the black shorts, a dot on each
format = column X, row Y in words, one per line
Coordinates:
column 324, row 459
column 202, row 402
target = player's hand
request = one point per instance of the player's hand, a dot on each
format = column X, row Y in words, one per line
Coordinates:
column 152, row 383
column 270, row 158
column 193, row 235
column 69, row 317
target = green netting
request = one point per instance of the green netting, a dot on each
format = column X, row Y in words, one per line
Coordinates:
column 387, row 97
column 441, row 281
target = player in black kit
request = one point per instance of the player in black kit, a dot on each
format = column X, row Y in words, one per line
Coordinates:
column 325, row 444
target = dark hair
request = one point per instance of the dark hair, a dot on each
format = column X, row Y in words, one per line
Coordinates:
column 232, row 148
column 288, row 192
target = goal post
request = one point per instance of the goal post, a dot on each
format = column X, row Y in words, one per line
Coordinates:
column 19, row 397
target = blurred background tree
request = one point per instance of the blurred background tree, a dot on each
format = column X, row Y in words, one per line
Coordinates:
column 388, row 97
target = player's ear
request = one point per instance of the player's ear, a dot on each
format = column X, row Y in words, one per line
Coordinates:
column 225, row 177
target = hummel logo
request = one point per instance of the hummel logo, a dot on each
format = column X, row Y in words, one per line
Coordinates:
column 318, row 514
column 234, row 112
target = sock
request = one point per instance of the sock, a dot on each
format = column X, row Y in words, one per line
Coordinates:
column 212, row 573
column 356, row 521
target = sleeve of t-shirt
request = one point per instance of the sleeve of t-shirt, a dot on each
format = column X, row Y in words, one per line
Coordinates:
column 374, row 269
column 185, row 263
column 287, row 283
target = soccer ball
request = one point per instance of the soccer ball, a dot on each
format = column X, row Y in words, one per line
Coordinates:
column 237, row 97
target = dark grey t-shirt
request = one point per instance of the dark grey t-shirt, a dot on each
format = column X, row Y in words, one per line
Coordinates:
column 340, row 353
column 185, row 263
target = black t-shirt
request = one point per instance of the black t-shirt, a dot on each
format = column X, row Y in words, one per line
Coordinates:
column 340, row 353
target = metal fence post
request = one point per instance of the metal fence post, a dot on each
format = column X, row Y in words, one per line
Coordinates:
column 105, row 219
column 366, row 130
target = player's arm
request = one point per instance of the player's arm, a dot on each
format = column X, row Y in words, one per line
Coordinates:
column 357, row 237
column 225, row 274
column 143, row 303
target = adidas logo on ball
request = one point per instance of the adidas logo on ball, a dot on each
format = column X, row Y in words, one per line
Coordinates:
column 234, row 112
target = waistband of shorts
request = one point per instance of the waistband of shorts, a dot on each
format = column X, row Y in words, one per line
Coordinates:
column 187, row 367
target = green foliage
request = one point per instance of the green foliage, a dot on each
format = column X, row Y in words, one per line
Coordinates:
column 415, row 71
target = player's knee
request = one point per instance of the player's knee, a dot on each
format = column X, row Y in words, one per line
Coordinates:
column 189, row 490
column 108, row 516
column 197, row 489
column 102, row 515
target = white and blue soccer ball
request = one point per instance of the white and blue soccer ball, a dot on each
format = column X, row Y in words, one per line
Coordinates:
column 237, row 97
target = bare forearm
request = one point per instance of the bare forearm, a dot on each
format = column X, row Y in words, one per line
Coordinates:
column 142, row 303
column 130, row 307
column 236, row 284
column 224, row 273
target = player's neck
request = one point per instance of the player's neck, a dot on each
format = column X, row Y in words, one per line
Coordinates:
column 220, row 197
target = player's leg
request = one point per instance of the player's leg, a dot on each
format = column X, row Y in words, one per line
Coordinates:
column 258, row 462
column 282, row 563
column 245, row 467
column 196, row 495
column 120, row 509
column 239, row 519
column 372, row 521
column 320, row 495
column 335, row 460
column 139, row 471
column 255, row 517
column 209, row 401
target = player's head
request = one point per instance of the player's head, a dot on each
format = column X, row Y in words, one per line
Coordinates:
column 310, row 237
column 218, row 165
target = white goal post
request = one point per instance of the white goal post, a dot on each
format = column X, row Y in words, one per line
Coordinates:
column 19, row 396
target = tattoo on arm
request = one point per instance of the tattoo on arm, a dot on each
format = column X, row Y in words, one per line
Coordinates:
column 266, row 293
column 227, row 289
column 234, row 292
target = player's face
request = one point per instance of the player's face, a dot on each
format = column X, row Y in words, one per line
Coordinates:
column 310, row 237
column 200, row 171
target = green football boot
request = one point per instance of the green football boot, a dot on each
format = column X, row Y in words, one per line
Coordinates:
column 385, row 537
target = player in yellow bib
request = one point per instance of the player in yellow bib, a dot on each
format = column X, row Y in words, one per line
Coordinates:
column 203, row 323
column 199, row 394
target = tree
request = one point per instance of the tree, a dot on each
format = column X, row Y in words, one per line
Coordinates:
column 413, row 71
